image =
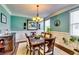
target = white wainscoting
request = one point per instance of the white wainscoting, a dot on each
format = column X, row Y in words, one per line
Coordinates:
column 59, row 40
column 20, row 35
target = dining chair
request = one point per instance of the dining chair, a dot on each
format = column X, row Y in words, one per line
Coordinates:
column 43, row 34
column 46, row 34
column 48, row 49
column 32, row 46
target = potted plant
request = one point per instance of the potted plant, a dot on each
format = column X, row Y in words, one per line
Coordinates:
column 72, row 39
column 48, row 29
column 72, row 42
column 37, row 37
column 77, row 46
column 65, row 41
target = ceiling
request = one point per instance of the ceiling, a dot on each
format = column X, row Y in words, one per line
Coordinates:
column 31, row 9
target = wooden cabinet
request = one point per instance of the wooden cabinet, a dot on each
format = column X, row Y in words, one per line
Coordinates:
column 9, row 42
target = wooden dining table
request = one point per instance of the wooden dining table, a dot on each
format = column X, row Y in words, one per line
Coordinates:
column 36, row 43
column 41, row 41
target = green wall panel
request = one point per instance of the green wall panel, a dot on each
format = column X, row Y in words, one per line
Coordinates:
column 3, row 26
column 64, row 22
column 17, row 23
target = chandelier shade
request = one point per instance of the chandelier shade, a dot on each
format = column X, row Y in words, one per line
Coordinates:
column 37, row 18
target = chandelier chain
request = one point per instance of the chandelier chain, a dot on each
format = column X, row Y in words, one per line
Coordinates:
column 37, row 10
column 37, row 18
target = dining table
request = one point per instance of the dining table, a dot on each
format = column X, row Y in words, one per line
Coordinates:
column 36, row 43
column 41, row 41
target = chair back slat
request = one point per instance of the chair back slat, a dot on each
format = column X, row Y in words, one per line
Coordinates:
column 28, row 40
column 46, row 35
column 50, row 44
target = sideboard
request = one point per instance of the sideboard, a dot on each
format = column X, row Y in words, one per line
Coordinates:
column 8, row 42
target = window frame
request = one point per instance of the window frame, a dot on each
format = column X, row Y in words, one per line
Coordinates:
column 45, row 24
column 71, row 24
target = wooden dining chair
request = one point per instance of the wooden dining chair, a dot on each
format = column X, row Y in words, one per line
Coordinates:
column 48, row 49
column 32, row 46
column 46, row 34
column 43, row 34
column 28, row 46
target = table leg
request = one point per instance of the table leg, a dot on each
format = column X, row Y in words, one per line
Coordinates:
column 33, row 50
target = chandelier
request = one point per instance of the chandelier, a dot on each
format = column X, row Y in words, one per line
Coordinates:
column 37, row 18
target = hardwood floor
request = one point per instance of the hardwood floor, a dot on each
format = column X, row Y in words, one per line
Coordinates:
column 64, row 49
column 56, row 45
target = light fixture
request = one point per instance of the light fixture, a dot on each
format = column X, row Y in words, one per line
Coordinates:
column 37, row 18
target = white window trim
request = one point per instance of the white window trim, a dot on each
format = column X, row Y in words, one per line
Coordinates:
column 71, row 20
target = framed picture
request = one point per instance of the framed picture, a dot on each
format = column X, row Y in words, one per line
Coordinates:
column 3, row 18
column 31, row 25
column 57, row 22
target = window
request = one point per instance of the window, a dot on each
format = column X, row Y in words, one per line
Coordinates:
column 47, row 24
column 74, row 22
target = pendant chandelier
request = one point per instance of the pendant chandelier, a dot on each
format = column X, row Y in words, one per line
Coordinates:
column 37, row 18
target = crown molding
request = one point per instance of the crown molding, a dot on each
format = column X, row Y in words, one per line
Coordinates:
column 20, row 15
column 6, row 8
column 62, row 10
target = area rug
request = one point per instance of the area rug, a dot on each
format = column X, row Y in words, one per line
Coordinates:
column 22, row 50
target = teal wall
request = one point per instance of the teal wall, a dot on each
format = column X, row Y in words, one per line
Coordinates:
column 2, row 25
column 17, row 23
column 64, row 22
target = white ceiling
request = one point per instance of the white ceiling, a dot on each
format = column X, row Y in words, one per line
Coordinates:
column 30, row 9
